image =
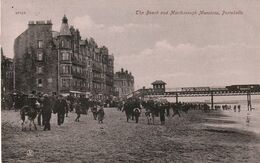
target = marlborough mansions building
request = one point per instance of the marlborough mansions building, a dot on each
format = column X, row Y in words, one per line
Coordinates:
column 62, row 62
column 124, row 83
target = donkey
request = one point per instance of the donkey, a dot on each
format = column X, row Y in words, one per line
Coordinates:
column 150, row 116
column 29, row 113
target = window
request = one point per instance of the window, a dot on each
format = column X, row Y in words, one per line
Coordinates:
column 65, row 69
column 39, row 69
column 39, row 56
column 62, row 44
column 39, row 82
column 65, row 56
column 40, row 44
column 50, row 80
column 65, row 83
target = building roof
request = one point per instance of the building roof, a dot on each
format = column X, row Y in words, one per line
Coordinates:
column 64, row 29
column 158, row 82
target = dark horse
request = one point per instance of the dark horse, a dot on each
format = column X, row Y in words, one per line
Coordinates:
column 132, row 109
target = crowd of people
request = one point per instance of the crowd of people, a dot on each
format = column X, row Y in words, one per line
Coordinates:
column 157, row 108
column 46, row 104
column 236, row 108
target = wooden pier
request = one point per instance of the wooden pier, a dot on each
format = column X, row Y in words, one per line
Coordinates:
column 210, row 93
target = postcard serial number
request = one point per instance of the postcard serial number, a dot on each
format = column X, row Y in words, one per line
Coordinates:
column 20, row 12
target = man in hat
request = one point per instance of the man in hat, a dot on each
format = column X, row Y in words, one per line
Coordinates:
column 61, row 107
column 46, row 112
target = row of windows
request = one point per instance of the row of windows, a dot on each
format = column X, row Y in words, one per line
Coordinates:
column 9, row 74
column 39, row 82
column 124, row 91
column 77, row 69
column 66, row 56
column 97, row 86
column 98, row 57
column 124, row 83
column 97, row 75
column 159, row 86
column 67, row 44
column 66, row 69
column 67, row 83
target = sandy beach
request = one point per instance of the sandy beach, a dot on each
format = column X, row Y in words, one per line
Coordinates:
column 181, row 139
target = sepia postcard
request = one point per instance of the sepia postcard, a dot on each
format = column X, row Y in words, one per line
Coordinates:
column 130, row 81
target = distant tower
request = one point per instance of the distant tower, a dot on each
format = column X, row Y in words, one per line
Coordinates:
column 159, row 86
column 64, row 57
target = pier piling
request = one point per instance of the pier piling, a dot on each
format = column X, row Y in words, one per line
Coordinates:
column 212, row 101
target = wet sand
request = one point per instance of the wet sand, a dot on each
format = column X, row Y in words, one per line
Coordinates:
column 181, row 139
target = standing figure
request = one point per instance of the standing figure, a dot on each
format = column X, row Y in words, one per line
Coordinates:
column 40, row 117
column 67, row 108
column 94, row 110
column 235, row 108
column 60, row 107
column 53, row 99
column 46, row 112
column 77, row 110
column 71, row 100
column 176, row 109
column 238, row 108
column 100, row 114
column 162, row 113
column 136, row 113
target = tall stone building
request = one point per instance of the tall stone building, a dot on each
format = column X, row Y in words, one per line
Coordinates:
column 35, row 59
column 124, row 83
column 50, row 61
column 6, row 74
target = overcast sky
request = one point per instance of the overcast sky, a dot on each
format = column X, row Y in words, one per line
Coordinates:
column 182, row 50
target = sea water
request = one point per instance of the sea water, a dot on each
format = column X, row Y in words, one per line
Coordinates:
column 244, row 120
